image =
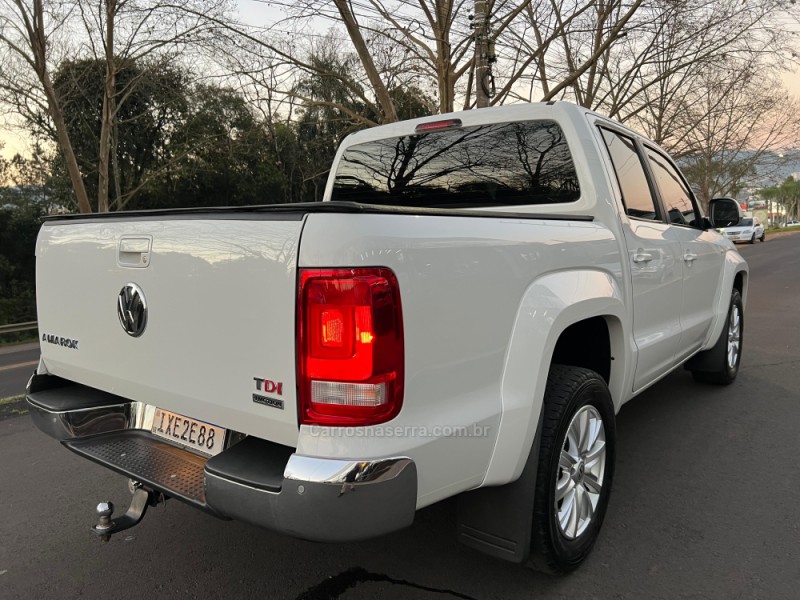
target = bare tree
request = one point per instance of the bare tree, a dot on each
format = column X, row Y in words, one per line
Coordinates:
column 26, row 34
column 559, row 47
column 387, row 107
column 36, row 37
column 549, row 42
column 435, row 34
column 698, row 76
column 645, row 62
column 136, row 32
column 731, row 124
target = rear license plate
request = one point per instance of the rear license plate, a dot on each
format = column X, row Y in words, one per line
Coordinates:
column 191, row 433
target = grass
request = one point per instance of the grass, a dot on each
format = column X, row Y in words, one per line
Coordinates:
column 12, row 399
column 13, row 406
column 786, row 230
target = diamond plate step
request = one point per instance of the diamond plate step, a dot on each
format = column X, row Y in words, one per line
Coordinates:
column 142, row 456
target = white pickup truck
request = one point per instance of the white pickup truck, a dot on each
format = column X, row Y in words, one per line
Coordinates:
column 464, row 314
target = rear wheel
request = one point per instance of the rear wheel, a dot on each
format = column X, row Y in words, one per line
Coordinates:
column 728, row 349
column 763, row 236
column 576, row 467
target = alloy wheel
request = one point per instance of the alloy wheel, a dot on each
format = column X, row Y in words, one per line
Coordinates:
column 734, row 336
column 581, row 471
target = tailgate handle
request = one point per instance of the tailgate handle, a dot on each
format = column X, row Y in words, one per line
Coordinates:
column 134, row 251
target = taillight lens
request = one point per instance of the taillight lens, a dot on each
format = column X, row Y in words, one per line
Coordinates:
column 438, row 125
column 350, row 352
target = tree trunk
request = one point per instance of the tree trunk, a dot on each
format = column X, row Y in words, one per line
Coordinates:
column 115, row 166
column 38, row 42
column 481, row 24
column 440, row 21
column 66, row 146
column 107, row 120
column 381, row 93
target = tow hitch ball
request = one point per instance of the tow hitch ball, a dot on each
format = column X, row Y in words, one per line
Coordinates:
column 106, row 526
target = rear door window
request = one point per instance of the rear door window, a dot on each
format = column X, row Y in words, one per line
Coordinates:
column 636, row 195
column 502, row 164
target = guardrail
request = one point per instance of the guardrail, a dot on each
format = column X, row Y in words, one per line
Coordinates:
column 14, row 328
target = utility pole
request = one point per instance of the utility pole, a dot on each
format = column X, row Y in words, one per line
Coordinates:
column 480, row 25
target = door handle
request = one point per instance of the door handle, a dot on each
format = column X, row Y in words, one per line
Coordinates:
column 642, row 257
column 689, row 257
column 134, row 251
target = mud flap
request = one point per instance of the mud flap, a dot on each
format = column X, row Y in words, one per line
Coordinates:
column 498, row 520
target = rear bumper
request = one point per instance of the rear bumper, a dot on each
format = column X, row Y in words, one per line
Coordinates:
column 254, row 480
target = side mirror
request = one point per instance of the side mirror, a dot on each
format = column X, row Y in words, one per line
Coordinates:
column 724, row 212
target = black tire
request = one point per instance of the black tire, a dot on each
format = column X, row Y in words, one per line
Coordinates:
column 716, row 367
column 569, row 391
column 763, row 237
column 753, row 239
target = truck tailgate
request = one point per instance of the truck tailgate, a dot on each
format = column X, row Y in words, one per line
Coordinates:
column 218, row 344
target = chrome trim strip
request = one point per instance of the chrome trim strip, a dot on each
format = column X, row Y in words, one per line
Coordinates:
column 237, row 483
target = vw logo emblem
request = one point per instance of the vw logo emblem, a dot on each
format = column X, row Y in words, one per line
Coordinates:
column 132, row 310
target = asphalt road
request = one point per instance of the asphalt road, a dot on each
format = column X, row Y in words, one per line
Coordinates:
column 705, row 505
column 16, row 365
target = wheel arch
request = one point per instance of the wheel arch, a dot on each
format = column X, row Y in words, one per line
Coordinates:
column 560, row 317
column 740, row 283
column 557, row 314
column 735, row 275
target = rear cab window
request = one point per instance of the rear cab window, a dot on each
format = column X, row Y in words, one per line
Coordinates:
column 491, row 165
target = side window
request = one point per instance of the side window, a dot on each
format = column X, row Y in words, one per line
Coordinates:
column 674, row 193
column 632, row 180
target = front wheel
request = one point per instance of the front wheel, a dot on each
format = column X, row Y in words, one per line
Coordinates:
column 576, row 467
column 753, row 239
column 726, row 354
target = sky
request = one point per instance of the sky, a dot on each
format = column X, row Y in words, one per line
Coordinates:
column 260, row 13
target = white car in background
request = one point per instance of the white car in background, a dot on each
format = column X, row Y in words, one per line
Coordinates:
column 749, row 229
column 790, row 224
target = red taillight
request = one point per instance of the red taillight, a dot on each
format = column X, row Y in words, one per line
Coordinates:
column 438, row 125
column 350, row 352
